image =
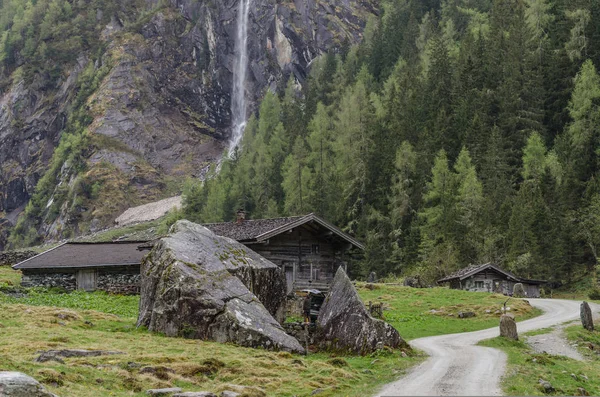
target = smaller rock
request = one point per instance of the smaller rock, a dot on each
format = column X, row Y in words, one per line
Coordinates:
column 372, row 277
column 317, row 391
column 229, row 393
column 586, row 316
column 582, row 392
column 508, row 327
column 574, row 376
column 367, row 371
column 488, row 311
column 163, row 392
column 17, row 384
column 466, row 314
column 195, row 394
column 403, row 354
column 53, row 355
column 546, row 386
column 519, row 291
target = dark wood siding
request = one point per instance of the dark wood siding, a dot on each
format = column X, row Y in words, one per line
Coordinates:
column 305, row 254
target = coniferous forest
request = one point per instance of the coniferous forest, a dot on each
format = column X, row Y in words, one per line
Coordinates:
column 458, row 132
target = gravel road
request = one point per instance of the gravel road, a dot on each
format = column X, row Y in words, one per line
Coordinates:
column 457, row 367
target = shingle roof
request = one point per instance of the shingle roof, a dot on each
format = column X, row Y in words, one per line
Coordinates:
column 78, row 255
column 263, row 229
column 474, row 269
column 249, row 229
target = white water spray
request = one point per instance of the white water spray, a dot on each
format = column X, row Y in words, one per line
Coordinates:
column 240, row 68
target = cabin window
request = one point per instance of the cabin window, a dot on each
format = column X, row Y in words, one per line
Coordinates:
column 479, row 284
column 315, row 248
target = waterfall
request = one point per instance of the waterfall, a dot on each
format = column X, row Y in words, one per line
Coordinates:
column 240, row 68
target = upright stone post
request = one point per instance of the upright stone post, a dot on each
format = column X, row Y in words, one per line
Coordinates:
column 586, row 316
column 519, row 291
column 508, row 327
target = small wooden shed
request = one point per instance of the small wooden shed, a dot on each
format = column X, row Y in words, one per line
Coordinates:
column 112, row 267
column 490, row 278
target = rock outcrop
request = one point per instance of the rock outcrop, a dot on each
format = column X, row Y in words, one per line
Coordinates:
column 344, row 323
column 199, row 285
column 160, row 110
column 508, row 327
column 519, row 291
column 17, row 384
column 587, row 320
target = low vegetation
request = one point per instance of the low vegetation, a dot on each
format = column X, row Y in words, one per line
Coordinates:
column 567, row 376
column 48, row 319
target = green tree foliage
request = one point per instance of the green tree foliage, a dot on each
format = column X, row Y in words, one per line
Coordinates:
column 458, row 132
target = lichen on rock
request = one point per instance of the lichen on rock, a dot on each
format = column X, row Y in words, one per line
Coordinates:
column 190, row 288
column 344, row 324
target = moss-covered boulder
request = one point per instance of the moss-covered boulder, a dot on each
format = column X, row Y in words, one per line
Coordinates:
column 344, row 324
column 199, row 285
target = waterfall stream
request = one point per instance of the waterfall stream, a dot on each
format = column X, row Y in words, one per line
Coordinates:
column 240, row 68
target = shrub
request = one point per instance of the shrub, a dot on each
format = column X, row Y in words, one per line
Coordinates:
column 595, row 294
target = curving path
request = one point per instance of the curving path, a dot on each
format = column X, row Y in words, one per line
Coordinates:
column 457, row 367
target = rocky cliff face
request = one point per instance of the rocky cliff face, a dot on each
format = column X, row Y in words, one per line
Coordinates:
column 158, row 106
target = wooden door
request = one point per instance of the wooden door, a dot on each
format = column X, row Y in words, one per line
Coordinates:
column 86, row 280
column 289, row 277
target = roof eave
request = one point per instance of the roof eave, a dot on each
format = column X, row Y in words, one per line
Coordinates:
column 80, row 266
column 17, row 266
column 302, row 221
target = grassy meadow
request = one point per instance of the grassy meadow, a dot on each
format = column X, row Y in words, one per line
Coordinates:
column 44, row 320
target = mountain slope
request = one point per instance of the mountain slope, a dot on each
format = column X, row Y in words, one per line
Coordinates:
column 139, row 99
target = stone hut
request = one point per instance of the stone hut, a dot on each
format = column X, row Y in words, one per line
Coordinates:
column 113, row 267
column 308, row 248
column 490, row 278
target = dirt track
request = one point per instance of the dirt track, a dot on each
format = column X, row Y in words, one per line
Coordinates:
column 457, row 367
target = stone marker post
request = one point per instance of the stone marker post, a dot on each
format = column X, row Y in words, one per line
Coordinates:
column 586, row 316
column 508, row 327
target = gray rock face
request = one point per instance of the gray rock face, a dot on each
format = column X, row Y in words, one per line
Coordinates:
column 190, row 287
column 17, row 384
column 162, row 110
column 587, row 319
column 519, row 291
column 508, row 327
column 344, row 324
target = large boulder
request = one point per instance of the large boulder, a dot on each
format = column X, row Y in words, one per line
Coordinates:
column 17, row 384
column 344, row 324
column 586, row 316
column 508, row 327
column 199, row 285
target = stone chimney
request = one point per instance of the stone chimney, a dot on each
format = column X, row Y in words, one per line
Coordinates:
column 240, row 216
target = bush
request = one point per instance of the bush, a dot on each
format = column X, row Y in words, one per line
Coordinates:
column 595, row 294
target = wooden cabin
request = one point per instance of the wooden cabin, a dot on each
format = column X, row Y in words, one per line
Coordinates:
column 490, row 278
column 308, row 248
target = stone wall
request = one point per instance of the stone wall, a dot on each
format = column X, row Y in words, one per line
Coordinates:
column 297, row 330
column 119, row 283
column 9, row 258
column 47, row 280
column 121, row 280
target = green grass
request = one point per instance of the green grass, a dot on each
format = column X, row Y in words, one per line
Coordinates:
column 409, row 309
column 526, row 368
column 125, row 306
column 45, row 320
column 28, row 329
column 9, row 277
